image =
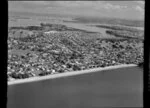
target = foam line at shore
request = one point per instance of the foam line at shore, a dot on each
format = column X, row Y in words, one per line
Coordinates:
column 66, row 74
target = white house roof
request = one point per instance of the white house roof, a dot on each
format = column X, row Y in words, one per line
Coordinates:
column 48, row 32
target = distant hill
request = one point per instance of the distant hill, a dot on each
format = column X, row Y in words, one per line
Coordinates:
column 82, row 19
column 136, row 23
column 30, row 14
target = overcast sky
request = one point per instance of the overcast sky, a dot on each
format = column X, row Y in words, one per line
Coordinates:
column 119, row 9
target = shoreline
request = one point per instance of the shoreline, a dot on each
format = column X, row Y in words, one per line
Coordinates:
column 67, row 74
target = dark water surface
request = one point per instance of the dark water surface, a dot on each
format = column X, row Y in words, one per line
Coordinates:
column 111, row 88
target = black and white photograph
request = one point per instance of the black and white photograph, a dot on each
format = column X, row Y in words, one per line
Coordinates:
column 75, row 54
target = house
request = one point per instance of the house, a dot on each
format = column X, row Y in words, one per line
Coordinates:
column 49, row 32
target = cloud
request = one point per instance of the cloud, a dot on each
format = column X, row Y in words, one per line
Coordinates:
column 90, row 8
column 110, row 6
column 68, row 4
column 36, row 2
column 140, row 9
column 90, row 5
column 141, row 2
column 75, row 4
